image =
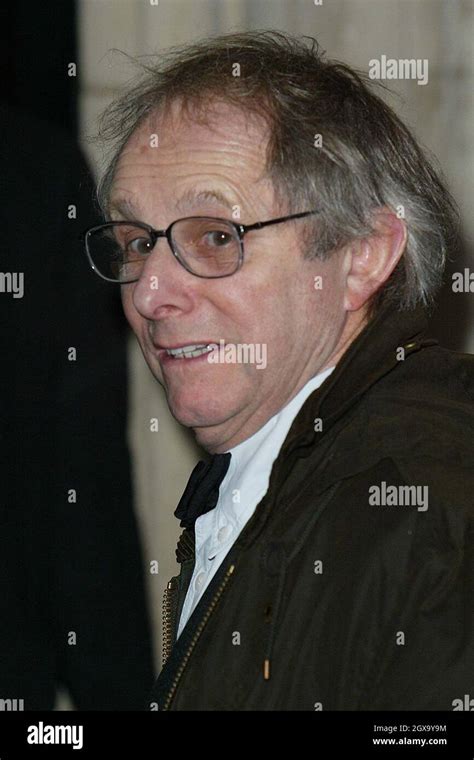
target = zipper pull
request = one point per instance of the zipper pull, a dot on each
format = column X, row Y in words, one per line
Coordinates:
column 266, row 669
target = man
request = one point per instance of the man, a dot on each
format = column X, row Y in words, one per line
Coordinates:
column 326, row 558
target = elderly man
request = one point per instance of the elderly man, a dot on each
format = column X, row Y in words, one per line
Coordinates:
column 278, row 235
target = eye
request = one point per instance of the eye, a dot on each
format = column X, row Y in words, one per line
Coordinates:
column 217, row 238
column 140, row 246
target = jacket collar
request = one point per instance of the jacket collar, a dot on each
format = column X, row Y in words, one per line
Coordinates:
column 372, row 355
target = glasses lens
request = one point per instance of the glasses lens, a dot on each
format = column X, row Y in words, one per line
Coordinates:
column 208, row 247
column 119, row 251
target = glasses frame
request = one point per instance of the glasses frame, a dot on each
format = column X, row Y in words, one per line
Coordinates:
column 240, row 229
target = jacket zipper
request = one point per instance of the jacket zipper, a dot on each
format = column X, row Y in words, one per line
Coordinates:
column 196, row 636
column 168, row 618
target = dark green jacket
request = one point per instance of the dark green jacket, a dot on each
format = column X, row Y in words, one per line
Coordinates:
column 328, row 600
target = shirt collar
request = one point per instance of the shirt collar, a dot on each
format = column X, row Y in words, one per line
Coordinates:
column 249, row 472
column 277, row 426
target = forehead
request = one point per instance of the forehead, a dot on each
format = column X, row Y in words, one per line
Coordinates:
column 216, row 122
column 220, row 141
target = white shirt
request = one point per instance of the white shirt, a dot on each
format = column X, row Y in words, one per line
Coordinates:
column 243, row 487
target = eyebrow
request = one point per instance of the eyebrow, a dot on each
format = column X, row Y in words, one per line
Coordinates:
column 193, row 197
column 127, row 209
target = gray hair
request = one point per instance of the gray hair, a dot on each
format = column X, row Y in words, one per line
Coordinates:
column 367, row 157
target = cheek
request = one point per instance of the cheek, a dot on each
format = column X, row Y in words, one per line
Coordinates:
column 258, row 317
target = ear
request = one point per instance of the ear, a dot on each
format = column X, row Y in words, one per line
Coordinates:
column 371, row 261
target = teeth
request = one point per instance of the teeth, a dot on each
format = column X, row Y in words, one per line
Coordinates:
column 188, row 352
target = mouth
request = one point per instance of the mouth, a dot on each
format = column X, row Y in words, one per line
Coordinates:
column 191, row 351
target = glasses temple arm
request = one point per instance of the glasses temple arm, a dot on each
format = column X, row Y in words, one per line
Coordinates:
column 279, row 220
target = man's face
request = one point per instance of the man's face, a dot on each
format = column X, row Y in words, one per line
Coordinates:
column 271, row 301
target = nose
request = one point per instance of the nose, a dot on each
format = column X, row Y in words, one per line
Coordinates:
column 164, row 286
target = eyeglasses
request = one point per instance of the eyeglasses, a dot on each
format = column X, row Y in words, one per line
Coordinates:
column 205, row 246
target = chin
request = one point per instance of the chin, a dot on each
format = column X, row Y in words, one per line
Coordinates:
column 194, row 412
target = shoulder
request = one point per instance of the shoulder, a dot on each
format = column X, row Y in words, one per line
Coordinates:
column 423, row 411
column 406, row 446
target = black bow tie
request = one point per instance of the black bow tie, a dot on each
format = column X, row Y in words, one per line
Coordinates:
column 202, row 492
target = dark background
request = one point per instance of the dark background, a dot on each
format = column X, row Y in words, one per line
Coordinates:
column 38, row 40
column 65, row 568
